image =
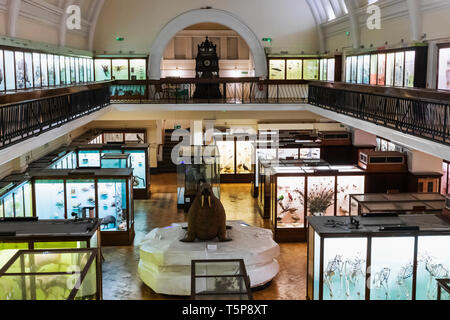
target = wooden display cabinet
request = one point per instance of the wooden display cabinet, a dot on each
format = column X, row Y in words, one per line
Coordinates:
column 382, row 161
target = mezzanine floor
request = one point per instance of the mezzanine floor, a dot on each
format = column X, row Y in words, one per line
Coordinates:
column 120, row 277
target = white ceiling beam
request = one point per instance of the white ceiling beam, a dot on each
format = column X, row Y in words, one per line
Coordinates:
column 94, row 21
column 415, row 19
column 13, row 14
column 354, row 22
column 63, row 23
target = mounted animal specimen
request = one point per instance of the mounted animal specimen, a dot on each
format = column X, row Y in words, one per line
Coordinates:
column 206, row 217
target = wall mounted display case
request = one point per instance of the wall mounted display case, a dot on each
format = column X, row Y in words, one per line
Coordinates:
column 220, row 280
column 305, row 68
column 301, row 191
column 105, row 194
column 403, row 67
column 400, row 203
column 115, row 161
column 443, row 76
column 70, row 274
column 344, row 256
column 25, row 69
column 124, row 68
column 196, row 165
column 382, row 161
column 115, row 136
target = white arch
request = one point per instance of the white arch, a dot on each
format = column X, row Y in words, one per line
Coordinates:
column 200, row 16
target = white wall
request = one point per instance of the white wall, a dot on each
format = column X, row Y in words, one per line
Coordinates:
column 288, row 22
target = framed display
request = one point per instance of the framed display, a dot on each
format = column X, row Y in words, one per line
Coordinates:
column 294, row 69
column 138, row 69
column 277, row 69
column 51, row 70
column 44, row 70
column 399, row 69
column 2, row 72
column 17, row 202
column 120, row 69
column 311, row 69
column 236, row 159
column 56, row 61
column 20, row 70
column 10, row 74
column 373, row 69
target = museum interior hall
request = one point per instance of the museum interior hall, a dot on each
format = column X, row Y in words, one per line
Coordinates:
column 224, row 150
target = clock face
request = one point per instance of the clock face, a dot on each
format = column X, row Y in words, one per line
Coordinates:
column 207, row 63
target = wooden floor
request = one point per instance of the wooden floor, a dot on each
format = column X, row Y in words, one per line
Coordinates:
column 120, row 277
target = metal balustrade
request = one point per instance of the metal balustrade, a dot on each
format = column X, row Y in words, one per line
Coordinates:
column 21, row 121
column 424, row 118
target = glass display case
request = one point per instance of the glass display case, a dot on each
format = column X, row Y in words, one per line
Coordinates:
column 220, row 280
column 311, row 190
column 131, row 154
column 102, row 69
column 236, row 159
column 16, row 200
column 277, row 69
column 30, row 234
column 120, row 69
column 71, row 274
column 123, row 68
column 444, row 68
column 105, row 194
column 400, row 203
column 196, row 165
column 345, row 254
column 394, row 67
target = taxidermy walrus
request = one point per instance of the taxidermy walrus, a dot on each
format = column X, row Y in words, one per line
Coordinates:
column 206, row 217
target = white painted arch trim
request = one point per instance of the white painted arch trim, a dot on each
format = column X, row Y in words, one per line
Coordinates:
column 192, row 17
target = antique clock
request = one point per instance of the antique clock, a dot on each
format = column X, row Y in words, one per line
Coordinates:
column 207, row 67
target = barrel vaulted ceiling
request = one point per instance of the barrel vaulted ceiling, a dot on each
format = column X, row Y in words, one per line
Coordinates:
column 331, row 16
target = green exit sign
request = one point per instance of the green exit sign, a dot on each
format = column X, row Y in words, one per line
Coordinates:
column 120, row 38
column 267, row 39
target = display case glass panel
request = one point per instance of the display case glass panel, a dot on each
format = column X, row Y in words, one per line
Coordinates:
column 2, row 72
column 445, row 178
column 444, row 69
column 410, row 59
column 112, row 204
column 354, row 69
column 20, row 70
column 294, row 69
column 392, row 279
column 138, row 69
column 321, row 191
column 120, row 69
column 344, row 268
column 399, row 68
column 44, row 70
column 51, row 70
column 382, row 69
column 227, row 157
column 287, row 153
column 311, row 69
column 9, row 70
column 28, row 204
column 68, row 71
column 62, row 66
column 331, row 69
column 244, row 157
column 135, row 137
column 8, row 205
column 77, row 70
column 73, row 78
column 53, row 275
column 373, row 69
column 290, row 202
column 80, row 198
column 49, row 196
column 102, row 69
column 390, row 69
column 366, row 70
column 360, row 70
column 82, row 70
column 113, row 137
column 277, row 69
column 433, row 263
column 114, row 160
column 317, row 251
column 89, row 159
column 348, row 185
column 348, row 69
column 310, row 153
column 137, row 159
column 57, row 71
column 322, row 66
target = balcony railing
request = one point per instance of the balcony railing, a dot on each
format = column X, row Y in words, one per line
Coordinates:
column 423, row 113
column 23, row 120
column 233, row 91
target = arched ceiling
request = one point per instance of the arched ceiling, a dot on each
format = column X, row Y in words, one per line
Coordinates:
column 323, row 12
